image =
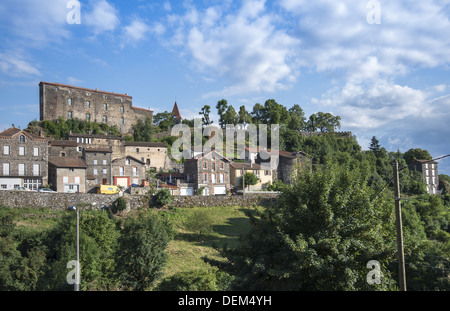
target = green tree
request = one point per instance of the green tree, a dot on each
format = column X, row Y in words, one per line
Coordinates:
column 375, row 146
column 200, row 222
column 319, row 236
column 250, row 179
column 244, row 116
column 163, row 197
column 222, row 106
column 297, row 118
column 230, row 117
column 206, row 110
column 163, row 120
column 141, row 255
column 416, row 154
column 143, row 130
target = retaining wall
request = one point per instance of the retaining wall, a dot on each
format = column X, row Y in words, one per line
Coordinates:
column 60, row 201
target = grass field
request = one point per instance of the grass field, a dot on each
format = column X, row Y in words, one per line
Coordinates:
column 185, row 251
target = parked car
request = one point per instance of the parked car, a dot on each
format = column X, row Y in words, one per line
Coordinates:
column 46, row 190
column 21, row 189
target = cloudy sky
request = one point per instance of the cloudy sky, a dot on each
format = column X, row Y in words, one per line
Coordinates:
column 383, row 66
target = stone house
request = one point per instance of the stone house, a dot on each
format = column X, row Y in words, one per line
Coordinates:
column 64, row 148
column 286, row 164
column 67, row 175
column 97, row 141
column 210, row 172
column 236, row 169
column 429, row 170
column 99, row 168
column 73, row 102
column 127, row 171
column 24, row 160
column 153, row 154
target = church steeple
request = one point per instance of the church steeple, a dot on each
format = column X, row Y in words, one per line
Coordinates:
column 176, row 114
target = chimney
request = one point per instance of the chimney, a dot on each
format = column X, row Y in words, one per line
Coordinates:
column 13, row 126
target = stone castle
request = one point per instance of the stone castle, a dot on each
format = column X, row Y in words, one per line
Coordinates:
column 71, row 102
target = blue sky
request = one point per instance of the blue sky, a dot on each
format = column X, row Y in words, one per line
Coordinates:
column 388, row 79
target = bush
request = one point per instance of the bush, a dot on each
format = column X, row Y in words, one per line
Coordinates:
column 121, row 204
column 163, row 197
column 200, row 222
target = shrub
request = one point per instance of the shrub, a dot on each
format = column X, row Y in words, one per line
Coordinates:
column 163, row 197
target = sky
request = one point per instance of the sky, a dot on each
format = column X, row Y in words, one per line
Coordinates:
column 382, row 66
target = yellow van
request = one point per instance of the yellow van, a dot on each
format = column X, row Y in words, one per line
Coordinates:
column 107, row 189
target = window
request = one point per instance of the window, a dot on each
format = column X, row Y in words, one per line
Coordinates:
column 105, row 171
column 213, row 167
column 213, row 178
column 267, row 172
column 135, row 171
column 137, row 150
column 122, row 171
column 122, row 109
column 69, row 101
column 205, row 165
column 222, row 178
column 65, row 179
column 36, row 170
column 4, row 186
column 221, row 165
column 22, row 138
column 88, row 104
column 104, row 162
column 105, row 107
column 5, row 169
column 88, row 117
column 205, row 178
column 36, row 151
column 105, row 119
column 69, row 115
column 95, row 162
column 5, row 149
column 122, row 120
column 21, row 150
column 21, row 169
column 95, row 171
column 128, row 161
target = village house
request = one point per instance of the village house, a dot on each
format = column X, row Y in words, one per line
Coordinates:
column 63, row 148
column 24, row 160
column 209, row 173
column 236, row 172
column 153, row 154
column 128, row 171
column 286, row 164
column 67, row 175
column 99, row 168
column 429, row 171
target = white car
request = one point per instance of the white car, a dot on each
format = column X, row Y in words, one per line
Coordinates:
column 46, row 190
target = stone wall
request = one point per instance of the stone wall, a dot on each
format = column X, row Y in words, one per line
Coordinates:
column 60, row 201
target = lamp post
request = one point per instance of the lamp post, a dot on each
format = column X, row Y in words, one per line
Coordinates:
column 77, row 275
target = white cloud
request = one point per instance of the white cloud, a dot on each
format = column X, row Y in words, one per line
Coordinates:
column 13, row 63
column 243, row 48
column 102, row 18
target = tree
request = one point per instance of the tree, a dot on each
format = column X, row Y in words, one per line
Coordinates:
column 143, row 130
column 250, row 179
column 375, row 146
column 416, row 154
column 200, row 222
column 206, row 110
column 141, row 255
column 319, row 236
column 163, row 120
column 230, row 117
column 222, row 107
column 163, row 197
column 297, row 121
column 244, row 116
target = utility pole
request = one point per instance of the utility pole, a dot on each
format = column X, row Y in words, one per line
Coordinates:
column 398, row 218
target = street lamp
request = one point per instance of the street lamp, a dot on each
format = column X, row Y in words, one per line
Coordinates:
column 77, row 275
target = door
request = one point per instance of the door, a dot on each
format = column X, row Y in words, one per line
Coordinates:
column 219, row 190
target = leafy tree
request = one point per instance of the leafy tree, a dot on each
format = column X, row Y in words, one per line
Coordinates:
column 163, row 197
column 230, row 117
column 143, row 130
column 416, row 154
column 163, row 120
column 319, row 236
column 200, row 222
column 206, row 110
column 244, row 116
column 222, row 106
column 141, row 255
column 297, row 118
column 250, row 179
